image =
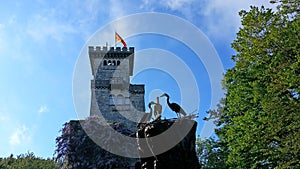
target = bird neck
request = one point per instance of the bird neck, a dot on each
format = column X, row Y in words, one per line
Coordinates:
column 168, row 100
column 150, row 110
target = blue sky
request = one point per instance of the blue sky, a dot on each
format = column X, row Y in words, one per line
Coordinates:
column 40, row 42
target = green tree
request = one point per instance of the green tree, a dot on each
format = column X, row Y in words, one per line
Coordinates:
column 25, row 161
column 211, row 154
column 260, row 120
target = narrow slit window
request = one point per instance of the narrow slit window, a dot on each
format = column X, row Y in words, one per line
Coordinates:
column 111, row 99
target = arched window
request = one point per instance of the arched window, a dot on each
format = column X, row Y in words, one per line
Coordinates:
column 118, row 63
column 105, row 63
column 114, row 63
column 120, row 99
column 111, row 99
column 109, row 62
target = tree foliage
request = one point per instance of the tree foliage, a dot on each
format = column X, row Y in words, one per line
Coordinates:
column 259, row 120
column 211, row 154
column 25, row 161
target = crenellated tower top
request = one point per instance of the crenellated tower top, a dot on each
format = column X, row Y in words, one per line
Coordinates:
column 99, row 54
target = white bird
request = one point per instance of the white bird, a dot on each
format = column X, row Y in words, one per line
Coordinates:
column 147, row 116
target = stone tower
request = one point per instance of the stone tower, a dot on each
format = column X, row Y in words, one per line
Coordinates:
column 113, row 97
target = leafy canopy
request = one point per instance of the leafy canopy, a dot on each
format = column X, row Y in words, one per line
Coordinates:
column 25, row 161
column 259, row 118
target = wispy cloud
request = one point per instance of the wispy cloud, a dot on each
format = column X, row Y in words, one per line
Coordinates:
column 3, row 117
column 178, row 4
column 43, row 109
column 219, row 18
column 186, row 7
column 116, row 9
column 2, row 37
column 20, row 135
column 82, row 19
column 222, row 16
column 42, row 26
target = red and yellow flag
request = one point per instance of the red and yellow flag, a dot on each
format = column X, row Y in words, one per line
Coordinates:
column 118, row 38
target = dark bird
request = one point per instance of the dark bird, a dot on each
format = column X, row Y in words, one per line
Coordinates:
column 174, row 106
column 147, row 116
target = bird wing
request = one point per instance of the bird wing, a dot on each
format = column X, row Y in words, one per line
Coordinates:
column 143, row 119
column 182, row 112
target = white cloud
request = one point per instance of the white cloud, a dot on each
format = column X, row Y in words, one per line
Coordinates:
column 3, row 118
column 185, row 7
column 177, row 4
column 82, row 15
column 43, row 109
column 222, row 16
column 116, row 9
column 219, row 18
column 82, row 18
column 171, row 4
column 20, row 135
column 42, row 27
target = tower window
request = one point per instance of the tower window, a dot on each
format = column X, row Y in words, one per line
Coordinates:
column 105, row 63
column 111, row 99
column 120, row 99
column 134, row 104
column 118, row 63
column 114, row 63
column 109, row 62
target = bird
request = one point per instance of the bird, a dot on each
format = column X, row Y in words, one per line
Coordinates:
column 157, row 108
column 174, row 106
column 147, row 116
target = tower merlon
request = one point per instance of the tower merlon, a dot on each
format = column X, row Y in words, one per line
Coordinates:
column 105, row 49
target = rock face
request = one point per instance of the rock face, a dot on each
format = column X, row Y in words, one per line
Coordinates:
column 168, row 144
column 77, row 147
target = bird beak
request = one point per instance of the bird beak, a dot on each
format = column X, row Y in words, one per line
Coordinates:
column 162, row 95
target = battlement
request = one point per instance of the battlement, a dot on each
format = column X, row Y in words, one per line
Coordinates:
column 137, row 88
column 105, row 49
column 98, row 54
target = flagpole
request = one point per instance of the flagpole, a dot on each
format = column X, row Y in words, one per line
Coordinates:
column 115, row 38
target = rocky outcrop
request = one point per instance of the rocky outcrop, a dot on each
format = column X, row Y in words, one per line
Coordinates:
column 168, row 144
